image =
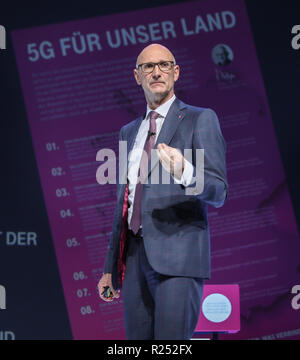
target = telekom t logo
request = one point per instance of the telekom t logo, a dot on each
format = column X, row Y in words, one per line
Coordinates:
column 2, row 37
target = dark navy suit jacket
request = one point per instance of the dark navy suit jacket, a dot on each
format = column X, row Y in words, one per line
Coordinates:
column 175, row 227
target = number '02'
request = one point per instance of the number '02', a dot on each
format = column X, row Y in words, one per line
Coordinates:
column 296, row 38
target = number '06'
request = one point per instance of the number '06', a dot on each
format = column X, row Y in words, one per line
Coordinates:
column 43, row 50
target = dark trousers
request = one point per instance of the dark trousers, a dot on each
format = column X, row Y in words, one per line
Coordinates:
column 157, row 306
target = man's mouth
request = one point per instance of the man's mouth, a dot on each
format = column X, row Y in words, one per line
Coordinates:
column 156, row 82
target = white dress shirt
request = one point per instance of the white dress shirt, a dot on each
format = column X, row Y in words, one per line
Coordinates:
column 135, row 155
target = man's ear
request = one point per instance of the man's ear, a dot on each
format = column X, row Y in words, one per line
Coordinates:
column 137, row 76
column 176, row 72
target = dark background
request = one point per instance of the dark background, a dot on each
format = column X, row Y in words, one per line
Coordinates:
column 35, row 301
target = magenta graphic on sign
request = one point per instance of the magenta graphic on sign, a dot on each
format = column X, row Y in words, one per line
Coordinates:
column 79, row 89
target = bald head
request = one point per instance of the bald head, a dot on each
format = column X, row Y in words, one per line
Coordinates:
column 154, row 51
column 158, row 83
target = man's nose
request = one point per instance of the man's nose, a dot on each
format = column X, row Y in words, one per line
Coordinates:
column 156, row 71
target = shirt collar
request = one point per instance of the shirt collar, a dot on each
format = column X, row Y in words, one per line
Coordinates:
column 162, row 109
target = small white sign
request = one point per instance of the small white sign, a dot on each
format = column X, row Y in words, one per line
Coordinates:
column 216, row 308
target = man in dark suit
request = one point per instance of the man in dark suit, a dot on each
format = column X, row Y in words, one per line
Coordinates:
column 160, row 230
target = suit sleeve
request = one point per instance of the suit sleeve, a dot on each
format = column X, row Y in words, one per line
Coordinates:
column 208, row 136
column 109, row 259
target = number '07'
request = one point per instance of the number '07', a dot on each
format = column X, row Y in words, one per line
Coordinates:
column 43, row 50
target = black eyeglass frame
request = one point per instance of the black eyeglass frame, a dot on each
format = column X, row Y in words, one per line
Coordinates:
column 161, row 62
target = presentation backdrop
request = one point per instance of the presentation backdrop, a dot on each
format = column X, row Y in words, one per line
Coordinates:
column 79, row 90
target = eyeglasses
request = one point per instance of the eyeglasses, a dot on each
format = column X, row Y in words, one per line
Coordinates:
column 164, row 66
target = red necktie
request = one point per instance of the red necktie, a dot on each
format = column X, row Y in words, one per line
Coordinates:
column 135, row 221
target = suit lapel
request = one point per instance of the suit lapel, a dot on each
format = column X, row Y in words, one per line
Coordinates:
column 133, row 135
column 175, row 115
